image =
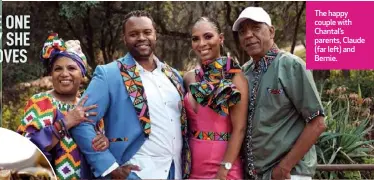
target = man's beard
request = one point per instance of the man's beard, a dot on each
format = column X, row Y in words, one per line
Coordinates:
column 134, row 52
column 142, row 54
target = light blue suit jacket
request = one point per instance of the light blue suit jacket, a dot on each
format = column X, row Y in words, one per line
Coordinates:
column 108, row 91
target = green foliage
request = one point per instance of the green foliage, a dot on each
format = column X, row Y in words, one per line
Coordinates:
column 352, row 174
column 348, row 119
column 17, row 73
column 12, row 115
column 13, row 109
column 284, row 16
column 301, row 54
column 167, row 8
column 73, row 9
column 369, row 161
column 364, row 78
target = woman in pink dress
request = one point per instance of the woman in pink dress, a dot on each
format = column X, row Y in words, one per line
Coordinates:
column 216, row 105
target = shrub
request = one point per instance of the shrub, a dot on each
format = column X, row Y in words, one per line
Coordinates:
column 13, row 108
column 345, row 141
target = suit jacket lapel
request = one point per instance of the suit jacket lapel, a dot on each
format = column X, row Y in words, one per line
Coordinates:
column 135, row 89
column 168, row 71
column 186, row 154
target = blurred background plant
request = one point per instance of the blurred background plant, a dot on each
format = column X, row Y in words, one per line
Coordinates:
column 349, row 134
column 13, row 111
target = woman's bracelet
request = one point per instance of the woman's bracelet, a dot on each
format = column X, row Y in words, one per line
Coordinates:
column 64, row 127
column 55, row 132
column 59, row 129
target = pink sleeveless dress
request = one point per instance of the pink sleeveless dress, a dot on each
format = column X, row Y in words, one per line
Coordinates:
column 208, row 142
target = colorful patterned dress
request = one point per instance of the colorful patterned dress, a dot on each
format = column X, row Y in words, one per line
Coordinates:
column 39, row 115
column 210, row 126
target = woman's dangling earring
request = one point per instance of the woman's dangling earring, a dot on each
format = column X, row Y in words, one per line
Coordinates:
column 222, row 50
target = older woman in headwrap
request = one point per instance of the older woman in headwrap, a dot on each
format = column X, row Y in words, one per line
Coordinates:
column 48, row 116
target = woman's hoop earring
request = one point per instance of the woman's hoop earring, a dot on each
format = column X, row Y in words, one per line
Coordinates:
column 189, row 55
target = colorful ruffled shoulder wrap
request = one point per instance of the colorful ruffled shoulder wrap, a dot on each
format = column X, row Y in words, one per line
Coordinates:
column 214, row 86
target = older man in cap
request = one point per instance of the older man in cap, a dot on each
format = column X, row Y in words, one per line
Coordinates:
column 285, row 115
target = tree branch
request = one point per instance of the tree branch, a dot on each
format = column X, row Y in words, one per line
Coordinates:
column 164, row 30
column 90, row 39
column 228, row 12
column 297, row 27
column 76, row 35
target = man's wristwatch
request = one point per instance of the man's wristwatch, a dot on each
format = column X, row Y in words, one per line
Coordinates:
column 226, row 165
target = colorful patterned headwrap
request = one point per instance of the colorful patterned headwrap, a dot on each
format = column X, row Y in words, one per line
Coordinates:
column 55, row 48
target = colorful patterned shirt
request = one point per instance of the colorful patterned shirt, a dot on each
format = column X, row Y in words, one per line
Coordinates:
column 36, row 124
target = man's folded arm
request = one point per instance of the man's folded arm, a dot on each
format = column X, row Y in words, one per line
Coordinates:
column 101, row 162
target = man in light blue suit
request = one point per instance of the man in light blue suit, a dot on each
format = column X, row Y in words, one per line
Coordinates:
column 141, row 101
